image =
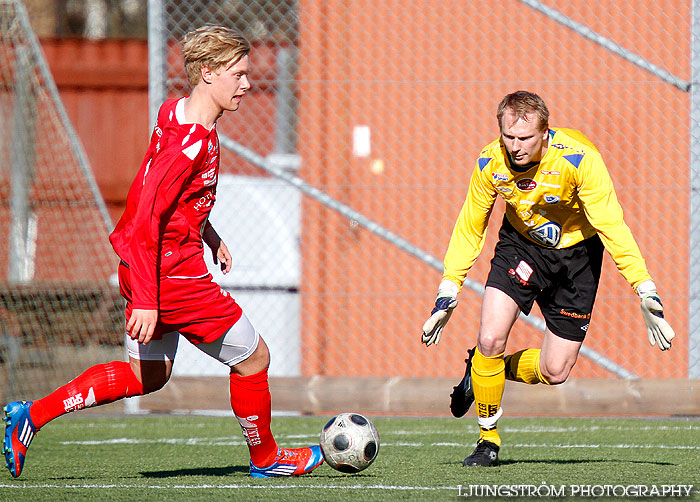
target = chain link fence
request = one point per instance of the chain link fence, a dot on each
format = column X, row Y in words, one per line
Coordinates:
column 348, row 162
column 57, row 308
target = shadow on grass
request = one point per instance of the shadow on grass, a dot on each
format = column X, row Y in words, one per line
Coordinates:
column 198, row 471
column 574, row 461
column 237, row 469
column 340, row 475
column 579, row 461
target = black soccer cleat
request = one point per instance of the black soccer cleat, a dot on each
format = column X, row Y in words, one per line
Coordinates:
column 485, row 455
column 462, row 395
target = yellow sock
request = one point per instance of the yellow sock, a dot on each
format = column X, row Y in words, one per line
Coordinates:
column 524, row 366
column 488, row 382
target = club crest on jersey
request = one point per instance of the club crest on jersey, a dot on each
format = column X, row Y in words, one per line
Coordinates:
column 547, row 235
column 551, row 199
column 500, row 176
column 526, row 184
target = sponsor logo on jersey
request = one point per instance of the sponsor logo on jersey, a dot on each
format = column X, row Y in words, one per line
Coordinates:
column 209, row 176
column 551, row 199
column 204, row 202
column 504, row 189
column 526, row 184
column 549, row 185
column 575, row 315
column 547, row 235
column 524, row 271
column 500, row 176
column 551, row 173
column 158, row 131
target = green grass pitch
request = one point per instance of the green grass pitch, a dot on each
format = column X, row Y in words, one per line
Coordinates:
column 191, row 458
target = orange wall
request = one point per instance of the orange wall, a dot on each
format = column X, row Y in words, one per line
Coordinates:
column 427, row 77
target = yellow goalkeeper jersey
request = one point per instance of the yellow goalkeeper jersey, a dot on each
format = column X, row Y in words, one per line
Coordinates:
column 566, row 198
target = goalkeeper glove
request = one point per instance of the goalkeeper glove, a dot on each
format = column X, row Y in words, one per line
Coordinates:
column 444, row 305
column 659, row 330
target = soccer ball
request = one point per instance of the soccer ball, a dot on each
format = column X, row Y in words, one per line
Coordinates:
column 349, row 442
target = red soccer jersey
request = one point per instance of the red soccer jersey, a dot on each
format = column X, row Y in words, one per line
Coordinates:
column 160, row 233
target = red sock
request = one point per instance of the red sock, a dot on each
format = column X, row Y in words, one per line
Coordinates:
column 100, row 384
column 252, row 405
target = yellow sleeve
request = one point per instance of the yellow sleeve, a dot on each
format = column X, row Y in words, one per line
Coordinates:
column 603, row 211
column 470, row 229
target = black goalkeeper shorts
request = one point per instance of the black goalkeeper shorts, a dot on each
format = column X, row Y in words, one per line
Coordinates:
column 564, row 282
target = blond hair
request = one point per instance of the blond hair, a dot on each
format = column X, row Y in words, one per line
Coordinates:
column 213, row 47
column 520, row 103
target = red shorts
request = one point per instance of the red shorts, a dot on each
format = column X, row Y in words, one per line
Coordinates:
column 197, row 308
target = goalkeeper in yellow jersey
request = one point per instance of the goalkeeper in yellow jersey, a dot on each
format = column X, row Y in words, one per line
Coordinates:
column 561, row 213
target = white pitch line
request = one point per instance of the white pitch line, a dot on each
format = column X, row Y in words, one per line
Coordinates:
column 234, row 486
column 621, row 446
column 422, row 432
column 229, row 442
column 544, row 429
column 239, row 486
column 594, row 446
column 511, row 430
column 179, row 441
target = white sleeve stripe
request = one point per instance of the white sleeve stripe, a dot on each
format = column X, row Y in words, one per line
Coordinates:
column 192, row 150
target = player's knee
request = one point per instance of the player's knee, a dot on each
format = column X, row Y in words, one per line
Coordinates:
column 258, row 361
column 555, row 374
column 491, row 344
